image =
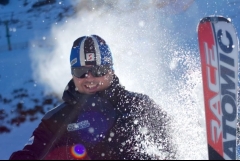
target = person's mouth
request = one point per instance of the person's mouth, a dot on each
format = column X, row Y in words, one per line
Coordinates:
column 91, row 86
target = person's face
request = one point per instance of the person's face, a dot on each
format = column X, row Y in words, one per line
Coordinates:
column 90, row 84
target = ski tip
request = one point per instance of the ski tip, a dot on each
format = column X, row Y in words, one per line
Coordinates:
column 215, row 19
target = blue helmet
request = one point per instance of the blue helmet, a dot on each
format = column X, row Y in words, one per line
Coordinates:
column 90, row 50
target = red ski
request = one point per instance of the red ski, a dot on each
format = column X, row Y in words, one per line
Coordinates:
column 218, row 46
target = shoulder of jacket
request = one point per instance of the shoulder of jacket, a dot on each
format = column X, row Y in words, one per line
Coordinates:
column 137, row 96
column 51, row 112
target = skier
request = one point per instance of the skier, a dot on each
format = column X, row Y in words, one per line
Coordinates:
column 99, row 119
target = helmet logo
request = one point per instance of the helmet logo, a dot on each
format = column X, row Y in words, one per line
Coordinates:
column 90, row 56
column 74, row 61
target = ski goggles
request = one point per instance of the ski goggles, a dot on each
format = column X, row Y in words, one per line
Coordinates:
column 96, row 71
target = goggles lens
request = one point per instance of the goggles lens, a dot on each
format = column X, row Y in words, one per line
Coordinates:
column 96, row 71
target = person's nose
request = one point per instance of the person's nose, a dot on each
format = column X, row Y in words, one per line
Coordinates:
column 89, row 75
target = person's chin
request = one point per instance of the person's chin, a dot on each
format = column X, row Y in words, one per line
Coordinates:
column 91, row 93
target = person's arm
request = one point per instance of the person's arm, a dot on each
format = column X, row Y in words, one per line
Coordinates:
column 42, row 139
column 36, row 145
column 156, row 130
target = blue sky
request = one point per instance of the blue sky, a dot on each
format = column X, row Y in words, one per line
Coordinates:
column 154, row 50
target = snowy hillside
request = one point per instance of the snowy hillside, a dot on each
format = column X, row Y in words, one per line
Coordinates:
column 22, row 98
column 154, row 47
